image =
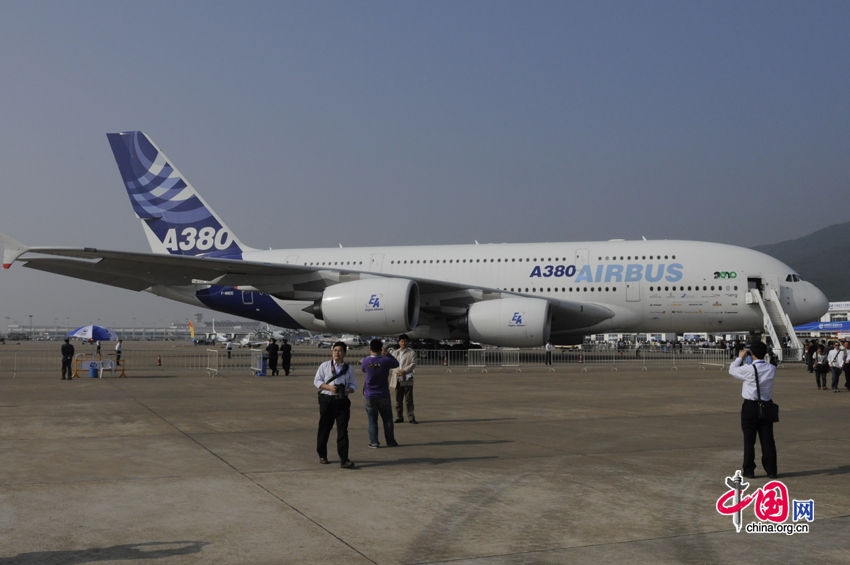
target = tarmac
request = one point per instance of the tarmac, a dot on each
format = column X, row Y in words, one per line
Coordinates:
column 504, row 468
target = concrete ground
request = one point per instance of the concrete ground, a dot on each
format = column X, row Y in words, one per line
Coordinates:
column 504, row 468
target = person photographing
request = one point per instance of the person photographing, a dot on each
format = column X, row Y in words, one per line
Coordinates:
column 758, row 411
column 335, row 381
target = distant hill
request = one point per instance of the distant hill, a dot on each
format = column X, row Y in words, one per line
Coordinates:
column 822, row 258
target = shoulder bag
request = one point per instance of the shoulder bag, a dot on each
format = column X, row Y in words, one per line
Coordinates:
column 768, row 410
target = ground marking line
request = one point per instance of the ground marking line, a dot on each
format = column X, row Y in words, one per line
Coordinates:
column 205, row 448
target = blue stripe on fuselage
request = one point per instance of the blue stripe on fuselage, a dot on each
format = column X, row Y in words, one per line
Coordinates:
column 263, row 307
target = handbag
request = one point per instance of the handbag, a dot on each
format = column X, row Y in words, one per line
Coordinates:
column 768, row 410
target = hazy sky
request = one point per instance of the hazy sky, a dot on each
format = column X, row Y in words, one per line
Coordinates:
column 311, row 124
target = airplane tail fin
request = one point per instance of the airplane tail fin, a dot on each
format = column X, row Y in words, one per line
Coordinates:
column 175, row 218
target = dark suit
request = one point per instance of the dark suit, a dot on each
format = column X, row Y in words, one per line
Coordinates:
column 67, row 359
column 273, row 349
column 285, row 357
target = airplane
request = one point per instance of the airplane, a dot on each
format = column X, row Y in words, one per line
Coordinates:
column 509, row 295
column 350, row 340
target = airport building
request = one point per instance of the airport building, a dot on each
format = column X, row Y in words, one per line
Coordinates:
column 835, row 323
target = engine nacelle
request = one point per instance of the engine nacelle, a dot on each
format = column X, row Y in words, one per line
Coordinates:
column 381, row 306
column 510, row 322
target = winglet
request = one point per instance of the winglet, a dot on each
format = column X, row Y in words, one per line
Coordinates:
column 12, row 249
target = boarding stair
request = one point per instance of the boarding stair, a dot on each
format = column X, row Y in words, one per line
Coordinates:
column 776, row 322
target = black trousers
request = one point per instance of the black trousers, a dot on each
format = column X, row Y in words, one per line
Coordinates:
column 273, row 365
column 821, row 371
column 66, row 366
column 548, row 357
column 333, row 410
column 752, row 426
column 284, row 364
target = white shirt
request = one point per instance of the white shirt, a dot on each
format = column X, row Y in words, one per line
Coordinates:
column 326, row 372
column 767, row 373
column 548, row 347
column 229, row 345
column 118, row 346
column 836, row 358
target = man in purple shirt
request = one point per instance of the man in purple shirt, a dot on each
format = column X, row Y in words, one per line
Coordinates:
column 377, row 392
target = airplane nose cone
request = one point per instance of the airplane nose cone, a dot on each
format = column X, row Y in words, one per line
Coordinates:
column 816, row 304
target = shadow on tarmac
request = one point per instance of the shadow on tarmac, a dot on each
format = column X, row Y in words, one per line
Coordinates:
column 418, row 461
column 842, row 470
column 470, row 420
column 151, row 550
column 460, row 442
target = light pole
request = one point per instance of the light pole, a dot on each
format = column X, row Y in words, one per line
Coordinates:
column 134, row 329
column 30, row 326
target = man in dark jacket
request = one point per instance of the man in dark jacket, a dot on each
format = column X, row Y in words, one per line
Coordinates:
column 272, row 348
column 810, row 354
column 67, row 358
column 285, row 356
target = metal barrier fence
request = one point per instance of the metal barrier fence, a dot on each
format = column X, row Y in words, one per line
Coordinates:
column 216, row 362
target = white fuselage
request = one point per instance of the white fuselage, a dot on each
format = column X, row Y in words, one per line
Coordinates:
column 652, row 286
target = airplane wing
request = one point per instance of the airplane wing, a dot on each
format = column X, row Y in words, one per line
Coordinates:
column 439, row 300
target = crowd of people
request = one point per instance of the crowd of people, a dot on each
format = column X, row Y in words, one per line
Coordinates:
column 824, row 357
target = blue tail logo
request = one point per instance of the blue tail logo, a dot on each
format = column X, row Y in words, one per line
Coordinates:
column 176, row 218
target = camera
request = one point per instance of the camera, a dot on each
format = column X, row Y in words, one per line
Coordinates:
column 339, row 391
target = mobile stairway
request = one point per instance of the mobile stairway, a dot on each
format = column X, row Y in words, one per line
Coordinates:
column 777, row 324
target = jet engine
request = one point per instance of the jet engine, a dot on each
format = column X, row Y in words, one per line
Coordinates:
column 510, row 322
column 380, row 306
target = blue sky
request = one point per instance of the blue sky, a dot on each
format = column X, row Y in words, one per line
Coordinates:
column 317, row 123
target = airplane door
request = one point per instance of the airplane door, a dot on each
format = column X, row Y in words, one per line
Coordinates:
column 772, row 282
column 292, row 260
column 247, row 297
column 377, row 262
column 633, row 291
column 581, row 258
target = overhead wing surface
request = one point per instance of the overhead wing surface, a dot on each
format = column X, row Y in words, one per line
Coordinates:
column 140, row 271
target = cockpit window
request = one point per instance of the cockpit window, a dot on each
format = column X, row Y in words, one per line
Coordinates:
column 793, row 278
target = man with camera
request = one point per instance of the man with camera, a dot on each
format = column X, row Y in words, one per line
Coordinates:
column 335, row 381
column 376, row 391
column 758, row 411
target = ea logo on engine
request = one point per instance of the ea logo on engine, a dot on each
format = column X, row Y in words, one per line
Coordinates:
column 374, row 303
column 516, row 321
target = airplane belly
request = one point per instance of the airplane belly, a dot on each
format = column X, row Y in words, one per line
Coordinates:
column 252, row 305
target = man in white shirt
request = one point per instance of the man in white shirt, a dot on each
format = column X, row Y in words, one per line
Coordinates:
column 548, row 352
column 118, row 350
column 751, row 424
column 335, row 381
column 836, row 363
